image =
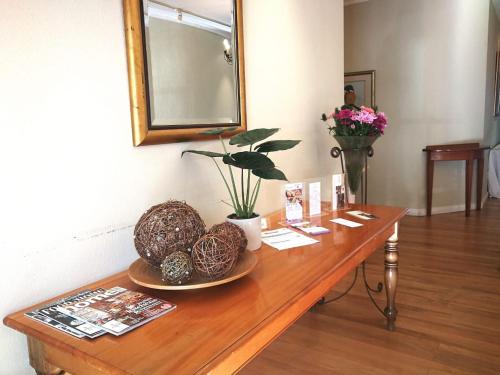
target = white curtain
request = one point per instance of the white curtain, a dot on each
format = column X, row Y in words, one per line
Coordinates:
column 494, row 172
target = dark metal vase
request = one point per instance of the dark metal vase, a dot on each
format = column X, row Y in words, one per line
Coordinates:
column 355, row 150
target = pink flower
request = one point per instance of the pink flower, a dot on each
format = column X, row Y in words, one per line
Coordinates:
column 331, row 115
column 380, row 122
column 344, row 114
column 367, row 109
column 353, row 126
column 364, row 116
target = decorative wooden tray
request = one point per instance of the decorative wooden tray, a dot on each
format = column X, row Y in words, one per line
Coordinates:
column 142, row 273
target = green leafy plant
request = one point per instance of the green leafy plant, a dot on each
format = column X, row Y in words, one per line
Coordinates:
column 254, row 162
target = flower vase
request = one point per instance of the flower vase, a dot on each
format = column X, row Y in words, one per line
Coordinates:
column 355, row 149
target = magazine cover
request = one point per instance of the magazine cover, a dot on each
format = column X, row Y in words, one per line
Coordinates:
column 54, row 324
column 118, row 310
column 51, row 311
column 338, row 192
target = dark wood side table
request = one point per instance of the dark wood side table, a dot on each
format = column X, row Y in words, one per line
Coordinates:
column 464, row 151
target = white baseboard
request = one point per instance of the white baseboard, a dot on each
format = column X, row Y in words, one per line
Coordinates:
column 444, row 209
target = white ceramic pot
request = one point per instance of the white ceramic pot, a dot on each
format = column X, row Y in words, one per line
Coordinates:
column 251, row 227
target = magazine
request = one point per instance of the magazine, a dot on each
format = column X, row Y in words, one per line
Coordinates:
column 51, row 311
column 118, row 310
column 54, row 324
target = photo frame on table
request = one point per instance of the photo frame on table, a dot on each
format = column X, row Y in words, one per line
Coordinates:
column 496, row 109
column 362, row 85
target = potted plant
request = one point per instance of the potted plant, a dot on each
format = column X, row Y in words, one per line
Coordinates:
column 245, row 172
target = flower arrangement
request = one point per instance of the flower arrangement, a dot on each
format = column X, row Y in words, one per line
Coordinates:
column 354, row 121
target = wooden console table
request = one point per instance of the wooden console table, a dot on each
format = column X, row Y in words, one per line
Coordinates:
column 218, row 330
column 465, row 151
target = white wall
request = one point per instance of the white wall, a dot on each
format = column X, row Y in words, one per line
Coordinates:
column 430, row 62
column 72, row 184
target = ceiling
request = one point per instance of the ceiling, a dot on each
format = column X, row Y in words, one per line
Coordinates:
column 217, row 10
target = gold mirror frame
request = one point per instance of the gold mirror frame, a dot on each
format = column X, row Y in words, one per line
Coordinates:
column 142, row 133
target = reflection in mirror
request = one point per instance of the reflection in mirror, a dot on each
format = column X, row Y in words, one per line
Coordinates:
column 191, row 63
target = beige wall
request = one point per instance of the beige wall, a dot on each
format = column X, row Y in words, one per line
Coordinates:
column 72, row 184
column 430, row 61
column 191, row 81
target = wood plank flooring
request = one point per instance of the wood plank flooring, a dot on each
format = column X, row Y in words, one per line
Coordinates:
column 448, row 299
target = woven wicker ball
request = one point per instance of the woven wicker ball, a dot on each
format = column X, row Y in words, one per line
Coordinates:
column 233, row 233
column 177, row 268
column 213, row 256
column 165, row 228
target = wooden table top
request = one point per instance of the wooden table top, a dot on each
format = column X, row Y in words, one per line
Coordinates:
column 220, row 329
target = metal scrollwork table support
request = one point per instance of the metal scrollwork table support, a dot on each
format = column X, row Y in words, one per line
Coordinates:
column 390, row 253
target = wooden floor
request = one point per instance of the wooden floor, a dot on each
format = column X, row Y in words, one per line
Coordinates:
column 449, row 309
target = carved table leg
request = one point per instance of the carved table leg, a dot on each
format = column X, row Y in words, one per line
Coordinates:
column 391, row 278
column 37, row 359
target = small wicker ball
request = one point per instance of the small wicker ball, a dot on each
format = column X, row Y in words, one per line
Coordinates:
column 165, row 228
column 213, row 256
column 233, row 233
column 177, row 268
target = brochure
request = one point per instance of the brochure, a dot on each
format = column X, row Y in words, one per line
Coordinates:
column 294, row 202
column 284, row 238
column 338, row 192
column 314, row 198
column 306, row 226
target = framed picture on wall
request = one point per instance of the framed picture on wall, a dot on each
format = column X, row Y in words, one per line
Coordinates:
column 359, row 88
column 497, row 86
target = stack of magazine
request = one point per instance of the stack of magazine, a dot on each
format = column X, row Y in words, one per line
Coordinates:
column 92, row 313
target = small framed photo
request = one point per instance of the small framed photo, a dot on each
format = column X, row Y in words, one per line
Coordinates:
column 293, row 195
column 359, row 88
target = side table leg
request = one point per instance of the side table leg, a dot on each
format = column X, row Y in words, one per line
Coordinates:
column 468, row 185
column 479, row 192
column 391, row 278
column 430, row 177
column 37, row 359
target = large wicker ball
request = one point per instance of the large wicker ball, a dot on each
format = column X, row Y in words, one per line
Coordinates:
column 165, row 228
column 233, row 233
column 213, row 256
column 177, row 268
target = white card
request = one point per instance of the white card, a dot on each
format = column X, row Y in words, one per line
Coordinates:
column 315, row 198
column 347, row 223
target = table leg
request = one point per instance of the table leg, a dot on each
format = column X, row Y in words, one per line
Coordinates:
column 479, row 192
column 468, row 185
column 37, row 359
column 430, row 176
column 391, row 278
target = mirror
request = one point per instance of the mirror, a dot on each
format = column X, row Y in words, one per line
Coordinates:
column 186, row 69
